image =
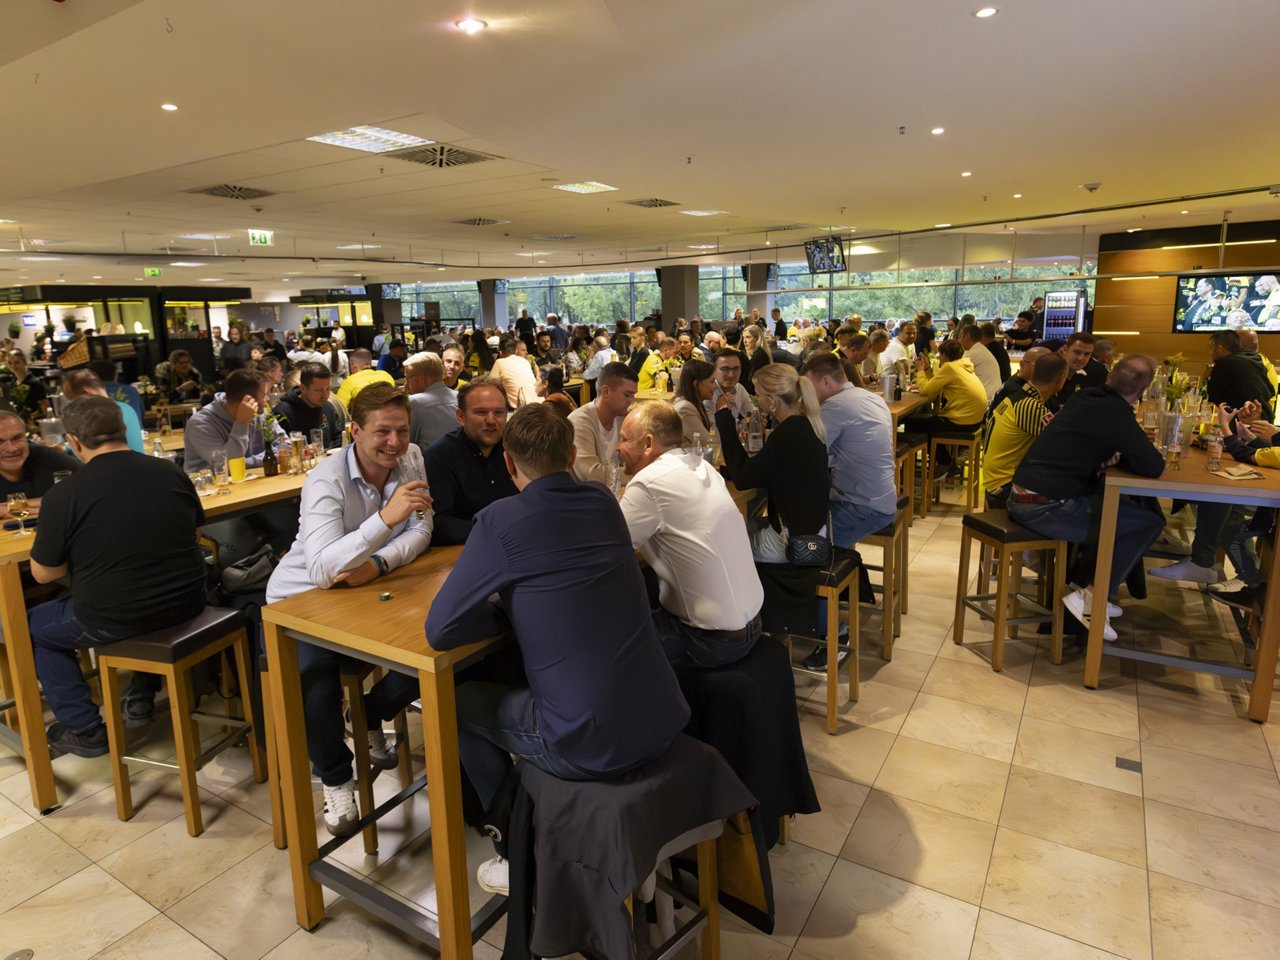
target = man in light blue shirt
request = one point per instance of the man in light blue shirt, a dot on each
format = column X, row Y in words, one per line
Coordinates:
column 78, row 383
column 365, row 511
column 433, row 410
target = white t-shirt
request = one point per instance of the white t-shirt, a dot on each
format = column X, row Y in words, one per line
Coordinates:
column 516, row 376
column 986, row 367
column 897, row 350
column 596, row 446
column 687, row 527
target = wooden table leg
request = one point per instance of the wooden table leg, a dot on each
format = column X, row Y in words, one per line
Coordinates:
column 295, row 777
column 1101, row 584
column 1264, row 658
column 709, row 899
column 444, row 793
column 26, row 689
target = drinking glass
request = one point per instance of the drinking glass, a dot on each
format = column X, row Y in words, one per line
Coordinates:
column 221, row 471
column 236, row 467
column 19, row 510
column 412, row 468
column 197, row 481
column 297, row 441
column 317, row 440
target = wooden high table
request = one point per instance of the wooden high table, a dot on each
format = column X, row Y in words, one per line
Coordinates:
column 1191, row 482
column 353, row 621
column 909, row 404
column 19, row 679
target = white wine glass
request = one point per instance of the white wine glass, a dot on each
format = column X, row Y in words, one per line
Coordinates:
column 19, row 509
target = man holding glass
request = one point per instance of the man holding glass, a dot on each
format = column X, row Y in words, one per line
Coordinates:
column 364, row 513
column 123, row 528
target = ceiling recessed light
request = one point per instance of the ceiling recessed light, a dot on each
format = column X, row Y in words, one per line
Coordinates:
column 584, row 186
column 169, row 107
column 137, row 278
column 702, row 246
column 210, row 280
column 39, row 259
column 1186, row 211
column 360, row 246
column 8, row 221
column 1133, row 230
column 97, row 276
column 542, row 261
column 371, row 139
column 967, row 173
column 470, row 25
column 982, row 13
column 61, row 281
column 704, row 213
column 940, row 226
column 938, row 131
column 204, row 236
column 1017, row 196
column 442, row 268
column 186, row 263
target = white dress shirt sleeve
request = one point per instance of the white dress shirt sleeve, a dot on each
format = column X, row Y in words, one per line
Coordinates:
column 643, row 516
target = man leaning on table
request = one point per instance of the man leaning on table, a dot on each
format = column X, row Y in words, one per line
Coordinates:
column 601, row 699
column 360, row 520
column 123, row 528
column 1051, row 488
column 227, row 424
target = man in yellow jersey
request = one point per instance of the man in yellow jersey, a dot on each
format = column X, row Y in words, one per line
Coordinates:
column 1016, row 421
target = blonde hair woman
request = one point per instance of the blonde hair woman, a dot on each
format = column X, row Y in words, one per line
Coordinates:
column 757, row 352
column 792, row 467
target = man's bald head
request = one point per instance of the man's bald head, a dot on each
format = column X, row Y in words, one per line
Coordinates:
column 1248, row 340
column 1027, row 365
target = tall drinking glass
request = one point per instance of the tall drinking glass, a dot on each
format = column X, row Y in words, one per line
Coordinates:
column 221, row 471
column 412, row 468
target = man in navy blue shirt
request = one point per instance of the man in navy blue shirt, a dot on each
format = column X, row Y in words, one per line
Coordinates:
column 393, row 360
column 601, row 698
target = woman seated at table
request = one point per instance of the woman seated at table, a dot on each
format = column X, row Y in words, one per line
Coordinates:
column 792, row 467
column 695, row 389
column 479, row 355
column 757, row 356
column 177, row 378
column 551, row 390
column 956, row 389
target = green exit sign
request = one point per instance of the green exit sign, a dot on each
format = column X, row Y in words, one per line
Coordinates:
column 262, row 238
column 151, row 271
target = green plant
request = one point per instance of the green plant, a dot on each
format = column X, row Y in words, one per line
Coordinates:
column 15, row 329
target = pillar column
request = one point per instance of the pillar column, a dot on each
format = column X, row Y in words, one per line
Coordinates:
column 679, row 294
column 758, row 279
column 493, row 305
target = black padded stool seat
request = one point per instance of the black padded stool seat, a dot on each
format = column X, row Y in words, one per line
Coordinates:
column 887, row 529
column 181, row 640
column 954, row 434
column 997, row 525
column 844, row 563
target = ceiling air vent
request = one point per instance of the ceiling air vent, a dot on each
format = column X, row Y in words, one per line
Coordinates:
column 480, row 222
column 554, row 236
column 652, row 203
column 177, row 249
column 231, row 192
column 440, row 155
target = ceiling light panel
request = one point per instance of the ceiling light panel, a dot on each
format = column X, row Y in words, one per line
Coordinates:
column 584, row 186
column 371, row 139
column 704, row 213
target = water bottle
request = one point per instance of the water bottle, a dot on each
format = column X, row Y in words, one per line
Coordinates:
column 755, row 434
column 1214, row 447
column 157, row 449
column 695, row 449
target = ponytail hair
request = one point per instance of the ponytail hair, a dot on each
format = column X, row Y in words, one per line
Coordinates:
column 780, row 380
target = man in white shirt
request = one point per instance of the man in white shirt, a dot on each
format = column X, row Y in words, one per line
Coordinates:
column 595, row 425
column 711, row 344
column 728, row 371
column 689, row 530
column 901, row 347
column 516, row 375
column 984, row 362
column 601, row 356
column 433, row 409
column 360, row 519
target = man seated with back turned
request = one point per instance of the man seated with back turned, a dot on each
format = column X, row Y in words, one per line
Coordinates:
column 595, row 426
column 987, row 333
column 516, row 376
column 304, row 408
column 601, row 699
column 1012, row 388
column 362, row 374
column 1051, row 487
column 689, row 530
column 359, row 521
column 433, row 409
column 984, row 362
column 124, row 529
column 1015, row 423
column 83, row 382
column 227, row 424
column 465, row 468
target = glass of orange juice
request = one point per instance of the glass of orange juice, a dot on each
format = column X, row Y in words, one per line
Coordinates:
column 235, row 466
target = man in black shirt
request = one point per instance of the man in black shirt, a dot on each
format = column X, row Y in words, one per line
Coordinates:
column 27, row 467
column 123, row 529
column 526, row 328
column 1238, row 377
column 465, row 470
column 271, row 347
column 1052, row 485
column 987, row 333
column 1078, row 352
column 1022, row 336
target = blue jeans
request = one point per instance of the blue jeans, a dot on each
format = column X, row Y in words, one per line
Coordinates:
column 497, row 721
column 690, row 646
column 1137, row 527
column 57, row 638
column 850, row 522
column 320, row 670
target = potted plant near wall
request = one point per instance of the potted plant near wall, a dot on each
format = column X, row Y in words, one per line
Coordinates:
column 15, row 329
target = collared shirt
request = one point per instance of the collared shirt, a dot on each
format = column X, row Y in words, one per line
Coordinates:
column 860, row 448
column 463, row 481
column 213, row 428
column 598, row 361
column 596, row 446
column 687, row 527
column 986, row 368
column 339, row 528
column 560, row 560
column 432, row 414
column 741, row 405
column 1014, row 425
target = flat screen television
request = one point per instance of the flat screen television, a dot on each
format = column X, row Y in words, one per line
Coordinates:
column 825, row 255
column 1227, row 301
column 771, row 275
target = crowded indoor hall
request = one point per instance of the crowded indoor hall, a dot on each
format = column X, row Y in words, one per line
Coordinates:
column 510, row 481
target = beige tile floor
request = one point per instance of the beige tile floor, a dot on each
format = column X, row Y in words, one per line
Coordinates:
column 966, row 814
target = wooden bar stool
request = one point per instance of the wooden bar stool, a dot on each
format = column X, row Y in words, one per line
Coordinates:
column 1006, row 541
column 909, row 450
column 892, row 540
column 840, row 578
column 958, row 442
column 172, row 653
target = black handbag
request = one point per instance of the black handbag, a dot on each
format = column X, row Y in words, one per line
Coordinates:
column 808, row 550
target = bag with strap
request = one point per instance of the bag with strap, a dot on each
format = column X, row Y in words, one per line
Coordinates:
column 808, row 550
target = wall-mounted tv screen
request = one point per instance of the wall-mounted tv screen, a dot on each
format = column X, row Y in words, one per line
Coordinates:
column 825, row 255
column 1227, row 301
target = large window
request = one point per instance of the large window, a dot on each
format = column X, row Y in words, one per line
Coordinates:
column 458, row 301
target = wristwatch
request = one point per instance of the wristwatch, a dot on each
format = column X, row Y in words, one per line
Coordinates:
column 383, row 569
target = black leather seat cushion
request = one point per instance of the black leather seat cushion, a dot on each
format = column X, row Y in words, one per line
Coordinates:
column 181, row 640
column 955, row 434
column 843, row 563
column 996, row 525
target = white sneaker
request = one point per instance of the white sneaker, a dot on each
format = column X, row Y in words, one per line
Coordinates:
column 381, row 754
column 494, row 876
column 1227, row 586
column 340, row 812
column 1188, row 571
column 1173, row 544
column 1079, row 603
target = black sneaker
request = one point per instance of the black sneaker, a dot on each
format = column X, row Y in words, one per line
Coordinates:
column 817, row 661
column 1243, row 598
column 138, row 709
column 90, row 744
